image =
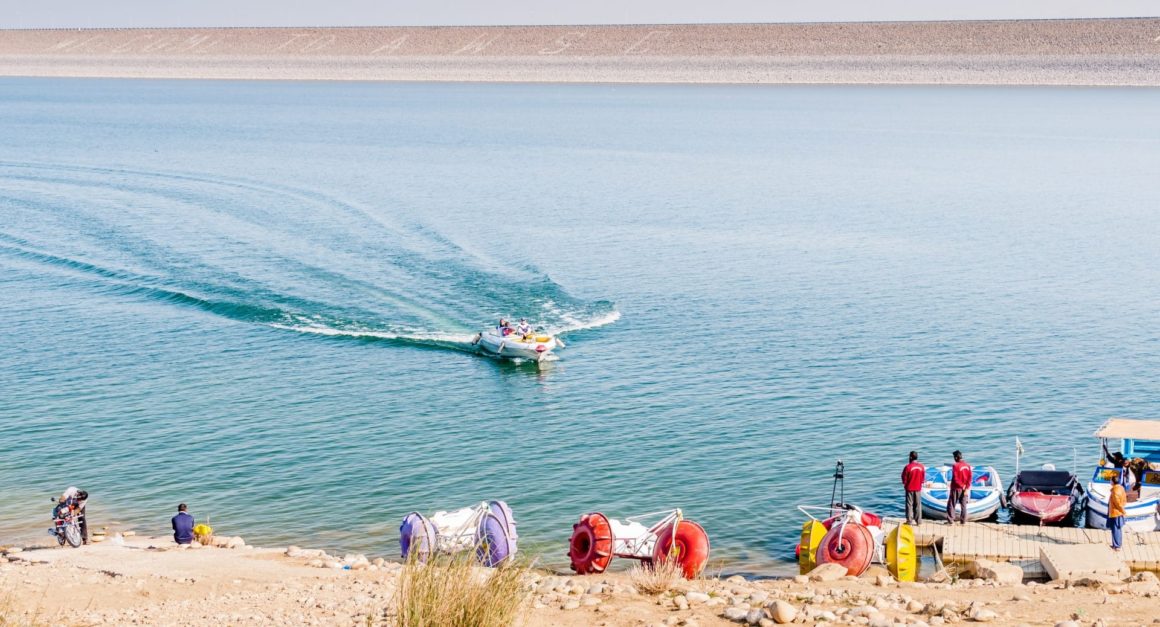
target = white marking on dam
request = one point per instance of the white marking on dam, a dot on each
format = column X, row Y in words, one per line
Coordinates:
column 564, row 42
column 477, row 45
column 653, row 35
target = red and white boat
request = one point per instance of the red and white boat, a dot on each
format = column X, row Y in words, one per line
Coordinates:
column 1044, row 496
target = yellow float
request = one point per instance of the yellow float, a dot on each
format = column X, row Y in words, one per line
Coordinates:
column 812, row 533
column 902, row 553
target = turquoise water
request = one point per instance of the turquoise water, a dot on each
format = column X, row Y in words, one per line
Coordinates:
column 255, row 298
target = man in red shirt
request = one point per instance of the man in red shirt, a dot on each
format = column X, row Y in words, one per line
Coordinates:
column 960, row 492
column 913, row 475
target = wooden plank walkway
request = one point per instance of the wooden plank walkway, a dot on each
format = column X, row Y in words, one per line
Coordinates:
column 1021, row 543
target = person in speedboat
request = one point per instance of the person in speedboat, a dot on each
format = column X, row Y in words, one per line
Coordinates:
column 505, row 328
column 524, row 329
column 1127, row 477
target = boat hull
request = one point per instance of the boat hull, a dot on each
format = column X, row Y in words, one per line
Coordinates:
column 1043, row 509
column 976, row 510
column 983, row 503
column 514, row 347
column 1139, row 516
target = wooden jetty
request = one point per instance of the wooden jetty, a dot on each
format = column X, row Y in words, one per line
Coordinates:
column 1024, row 544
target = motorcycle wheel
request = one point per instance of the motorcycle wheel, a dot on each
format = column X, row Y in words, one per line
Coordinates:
column 72, row 533
column 59, row 538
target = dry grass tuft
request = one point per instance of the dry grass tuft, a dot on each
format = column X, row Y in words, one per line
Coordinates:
column 657, row 578
column 10, row 617
column 456, row 592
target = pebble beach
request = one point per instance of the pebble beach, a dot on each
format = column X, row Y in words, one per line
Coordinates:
column 1023, row 52
column 150, row 581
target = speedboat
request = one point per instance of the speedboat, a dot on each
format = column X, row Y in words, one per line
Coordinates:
column 505, row 342
column 1140, row 446
column 1044, row 496
column 985, row 498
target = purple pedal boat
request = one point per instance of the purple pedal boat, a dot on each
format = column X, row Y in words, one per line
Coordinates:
column 488, row 528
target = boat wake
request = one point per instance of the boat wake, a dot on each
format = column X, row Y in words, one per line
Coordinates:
column 288, row 258
column 457, row 341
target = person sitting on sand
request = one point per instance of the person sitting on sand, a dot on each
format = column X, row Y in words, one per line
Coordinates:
column 523, row 328
column 183, row 525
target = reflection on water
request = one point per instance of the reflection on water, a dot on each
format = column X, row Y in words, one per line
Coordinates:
column 257, row 298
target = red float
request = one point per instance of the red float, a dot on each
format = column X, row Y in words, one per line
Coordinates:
column 849, row 544
column 590, row 548
column 692, row 547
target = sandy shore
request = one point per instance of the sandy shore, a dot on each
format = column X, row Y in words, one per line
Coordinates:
column 1024, row 52
column 151, row 581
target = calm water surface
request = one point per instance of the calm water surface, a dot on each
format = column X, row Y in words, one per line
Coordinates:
column 255, row 298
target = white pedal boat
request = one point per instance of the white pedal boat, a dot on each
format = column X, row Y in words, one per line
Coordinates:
column 535, row 346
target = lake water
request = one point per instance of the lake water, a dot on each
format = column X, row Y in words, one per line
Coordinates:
column 256, row 298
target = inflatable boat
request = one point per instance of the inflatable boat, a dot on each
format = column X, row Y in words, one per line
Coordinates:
column 505, row 342
column 985, row 499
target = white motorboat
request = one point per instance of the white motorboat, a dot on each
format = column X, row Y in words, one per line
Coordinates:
column 506, row 342
column 1140, row 448
column 984, row 501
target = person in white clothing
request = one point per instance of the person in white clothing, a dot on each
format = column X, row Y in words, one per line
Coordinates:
column 76, row 499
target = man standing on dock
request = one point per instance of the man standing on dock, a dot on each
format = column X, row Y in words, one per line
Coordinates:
column 913, row 476
column 960, row 493
column 1117, row 501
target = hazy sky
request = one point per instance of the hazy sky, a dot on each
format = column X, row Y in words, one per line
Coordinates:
column 136, row 13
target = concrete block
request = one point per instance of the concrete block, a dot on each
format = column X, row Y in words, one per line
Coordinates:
column 1072, row 562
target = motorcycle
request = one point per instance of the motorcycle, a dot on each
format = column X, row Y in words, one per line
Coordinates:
column 66, row 523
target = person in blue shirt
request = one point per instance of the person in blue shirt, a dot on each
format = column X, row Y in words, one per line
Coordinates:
column 183, row 525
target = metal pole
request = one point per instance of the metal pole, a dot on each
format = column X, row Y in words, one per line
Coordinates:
column 1016, row 456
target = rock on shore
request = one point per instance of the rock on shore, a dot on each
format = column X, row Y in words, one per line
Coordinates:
column 149, row 581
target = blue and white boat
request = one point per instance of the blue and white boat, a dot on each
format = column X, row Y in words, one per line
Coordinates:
column 986, row 493
column 1140, row 445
